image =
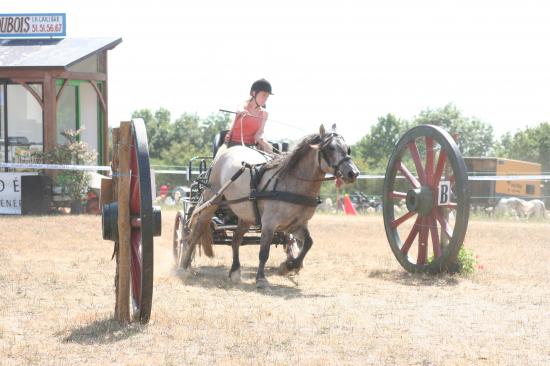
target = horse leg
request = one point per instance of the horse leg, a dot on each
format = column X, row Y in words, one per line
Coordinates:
column 296, row 242
column 235, row 271
column 296, row 264
column 265, row 245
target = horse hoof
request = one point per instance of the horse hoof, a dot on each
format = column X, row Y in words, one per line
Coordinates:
column 263, row 284
column 283, row 269
column 235, row 276
column 184, row 273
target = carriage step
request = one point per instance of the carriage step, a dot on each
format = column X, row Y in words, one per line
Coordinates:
column 225, row 227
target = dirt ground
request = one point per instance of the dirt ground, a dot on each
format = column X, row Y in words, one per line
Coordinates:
column 352, row 304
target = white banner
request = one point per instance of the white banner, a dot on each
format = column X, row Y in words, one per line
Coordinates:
column 10, row 193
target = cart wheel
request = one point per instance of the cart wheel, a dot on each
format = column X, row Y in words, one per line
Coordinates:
column 436, row 194
column 181, row 234
column 142, row 226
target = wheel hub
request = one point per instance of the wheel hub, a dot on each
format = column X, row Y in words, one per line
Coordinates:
column 420, row 200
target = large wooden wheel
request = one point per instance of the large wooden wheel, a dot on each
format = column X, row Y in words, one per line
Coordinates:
column 141, row 224
column 426, row 200
column 181, row 238
column 132, row 222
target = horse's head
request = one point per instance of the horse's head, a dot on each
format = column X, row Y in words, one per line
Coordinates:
column 334, row 156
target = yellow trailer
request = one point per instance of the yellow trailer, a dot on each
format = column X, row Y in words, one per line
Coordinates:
column 489, row 192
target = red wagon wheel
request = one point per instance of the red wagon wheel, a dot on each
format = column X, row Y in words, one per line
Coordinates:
column 427, row 173
column 144, row 225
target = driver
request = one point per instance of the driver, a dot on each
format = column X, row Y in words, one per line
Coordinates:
column 248, row 126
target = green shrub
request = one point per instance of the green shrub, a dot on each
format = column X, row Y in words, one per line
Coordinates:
column 466, row 261
column 74, row 183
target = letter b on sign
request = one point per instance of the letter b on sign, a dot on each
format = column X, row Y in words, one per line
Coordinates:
column 444, row 196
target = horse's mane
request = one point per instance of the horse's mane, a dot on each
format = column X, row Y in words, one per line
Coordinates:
column 286, row 163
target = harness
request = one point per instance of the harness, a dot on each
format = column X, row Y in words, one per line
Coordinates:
column 258, row 170
column 323, row 154
column 256, row 173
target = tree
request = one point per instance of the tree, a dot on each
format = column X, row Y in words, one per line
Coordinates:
column 158, row 129
column 475, row 138
column 376, row 147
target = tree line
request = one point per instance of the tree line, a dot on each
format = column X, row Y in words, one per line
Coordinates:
column 173, row 143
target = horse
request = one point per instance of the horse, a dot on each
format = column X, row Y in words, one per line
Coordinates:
column 295, row 178
column 521, row 208
column 533, row 208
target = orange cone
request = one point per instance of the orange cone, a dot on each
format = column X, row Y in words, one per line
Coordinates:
column 348, row 206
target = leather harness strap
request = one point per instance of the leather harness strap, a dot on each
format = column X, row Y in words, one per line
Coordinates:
column 255, row 195
column 290, row 197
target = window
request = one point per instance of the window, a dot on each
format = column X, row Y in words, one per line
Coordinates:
column 89, row 115
column 24, row 122
column 66, row 111
column 78, row 106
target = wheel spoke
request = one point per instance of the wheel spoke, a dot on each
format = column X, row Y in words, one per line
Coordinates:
column 402, row 219
column 451, row 205
column 136, row 265
column 412, row 235
column 395, row 194
column 439, row 168
column 443, row 222
column 422, row 241
column 417, row 163
column 407, row 173
column 135, row 199
column 435, row 238
column 429, row 159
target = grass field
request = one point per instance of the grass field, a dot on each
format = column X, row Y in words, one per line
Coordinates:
column 352, row 304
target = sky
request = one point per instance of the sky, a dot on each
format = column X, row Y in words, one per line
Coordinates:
column 344, row 62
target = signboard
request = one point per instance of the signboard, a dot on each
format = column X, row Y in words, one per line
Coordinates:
column 33, row 25
column 10, row 193
column 444, row 196
column 519, row 188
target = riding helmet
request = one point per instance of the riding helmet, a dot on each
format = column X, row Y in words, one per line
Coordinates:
column 261, row 85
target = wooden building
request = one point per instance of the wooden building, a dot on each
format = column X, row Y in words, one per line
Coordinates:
column 50, row 85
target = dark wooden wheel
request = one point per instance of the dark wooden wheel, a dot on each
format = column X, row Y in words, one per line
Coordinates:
column 181, row 235
column 426, row 200
column 143, row 225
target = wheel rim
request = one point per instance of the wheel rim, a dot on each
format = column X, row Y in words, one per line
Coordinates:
column 178, row 236
column 141, row 213
column 427, row 236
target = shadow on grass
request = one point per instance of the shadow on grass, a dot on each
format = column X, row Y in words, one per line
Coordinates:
column 102, row 331
column 415, row 279
column 218, row 277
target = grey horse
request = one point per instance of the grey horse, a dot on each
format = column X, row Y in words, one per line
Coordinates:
column 297, row 174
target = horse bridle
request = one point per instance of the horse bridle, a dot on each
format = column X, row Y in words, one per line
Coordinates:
column 322, row 154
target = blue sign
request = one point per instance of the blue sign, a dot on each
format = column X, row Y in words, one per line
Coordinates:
column 33, row 25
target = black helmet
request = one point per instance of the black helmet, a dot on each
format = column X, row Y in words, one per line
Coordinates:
column 261, row 85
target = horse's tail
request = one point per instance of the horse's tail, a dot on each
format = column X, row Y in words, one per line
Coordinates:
column 207, row 241
column 201, row 225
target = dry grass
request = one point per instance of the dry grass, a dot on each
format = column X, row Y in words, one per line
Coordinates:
column 352, row 303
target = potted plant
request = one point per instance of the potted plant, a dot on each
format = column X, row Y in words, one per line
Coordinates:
column 73, row 183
